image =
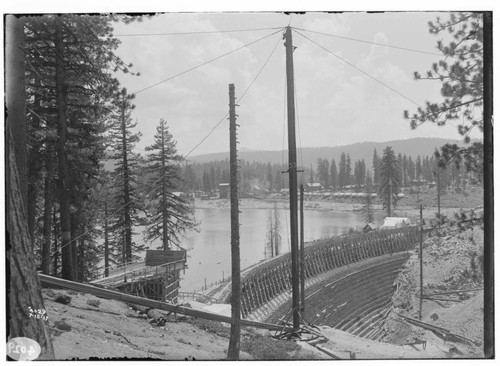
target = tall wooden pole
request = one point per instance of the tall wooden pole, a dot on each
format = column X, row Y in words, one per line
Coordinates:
column 489, row 345
column 302, row 255
column 421, row 267
column 233, row 352
column 439, row 197
column 292, row 175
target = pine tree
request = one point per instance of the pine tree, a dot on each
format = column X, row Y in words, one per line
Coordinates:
column 376, row 168
column 334, row 175
column 70, row 59
column 368, row 208
column 168, row 215
column 23, row 285
column 126, row 202
column 343, row 178
column 348, row 170
column 460, row 72
column 390, row 180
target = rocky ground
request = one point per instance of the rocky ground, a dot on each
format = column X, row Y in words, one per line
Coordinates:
column 84, row 327
column 451, row 263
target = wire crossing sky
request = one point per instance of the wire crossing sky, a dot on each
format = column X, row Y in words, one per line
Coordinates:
column 187, row 60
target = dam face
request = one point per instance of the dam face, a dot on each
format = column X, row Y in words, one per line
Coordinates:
column 352, row 298
column 348, row 281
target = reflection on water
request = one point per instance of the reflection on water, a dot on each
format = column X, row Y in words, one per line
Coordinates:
column 209, row 250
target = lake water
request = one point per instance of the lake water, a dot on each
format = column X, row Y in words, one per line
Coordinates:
column 209, row 250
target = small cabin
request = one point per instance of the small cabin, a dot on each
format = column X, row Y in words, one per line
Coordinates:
column 224, row 190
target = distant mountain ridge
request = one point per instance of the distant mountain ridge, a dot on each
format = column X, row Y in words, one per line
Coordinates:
column 423, row 146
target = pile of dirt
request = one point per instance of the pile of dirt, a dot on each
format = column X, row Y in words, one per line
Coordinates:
column 450, row 264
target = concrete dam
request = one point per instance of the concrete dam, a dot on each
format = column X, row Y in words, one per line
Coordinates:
column 348, row 286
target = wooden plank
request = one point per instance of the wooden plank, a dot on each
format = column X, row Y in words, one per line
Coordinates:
column 329, row 352
column 115, row 295
column 159, row 257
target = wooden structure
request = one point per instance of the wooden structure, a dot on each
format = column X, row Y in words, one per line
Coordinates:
column 157, row 277
column 271, row 278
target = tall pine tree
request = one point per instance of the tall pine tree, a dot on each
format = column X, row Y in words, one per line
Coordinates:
column 390, row 180
column 169, row 215
column 127, row 202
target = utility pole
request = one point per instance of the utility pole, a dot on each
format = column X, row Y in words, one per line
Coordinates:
column 233, row 352
column 302, row 256
column 439, row 198
column 292, row 176
column 421, row 266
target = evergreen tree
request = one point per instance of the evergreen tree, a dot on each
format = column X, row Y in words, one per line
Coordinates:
column 368, row 207
column 127, row 201
column 334, row 175
column 411, row 169
column 418, row 168
column 322, row 172
column 461, row 75
column 348, row 171
column 169, row 216
column 343, row 177
column 390, row 180
column 70, row 59
column 359, row 173
column 376, row 168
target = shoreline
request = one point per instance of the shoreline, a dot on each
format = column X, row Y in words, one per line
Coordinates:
column 429, row 212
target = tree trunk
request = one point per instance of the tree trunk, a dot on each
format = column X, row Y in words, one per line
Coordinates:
column 74, row 247
column 66, row 260
column 47, row 212
column 106, row 240
column 56, row 245
column 15, row 98
column 24, row 288
column 127, row 257
column 164, row 191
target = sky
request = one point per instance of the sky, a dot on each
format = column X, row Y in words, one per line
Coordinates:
column 340, row 96
column 347, row 91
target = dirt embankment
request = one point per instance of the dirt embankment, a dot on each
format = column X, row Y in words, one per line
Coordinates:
column 451, row 263
column 84, row 327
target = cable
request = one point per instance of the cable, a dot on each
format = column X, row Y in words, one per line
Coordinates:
column 239, row 99
column 205, row 63
column 194, row 33
column 368, row 42
column 361, row 70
